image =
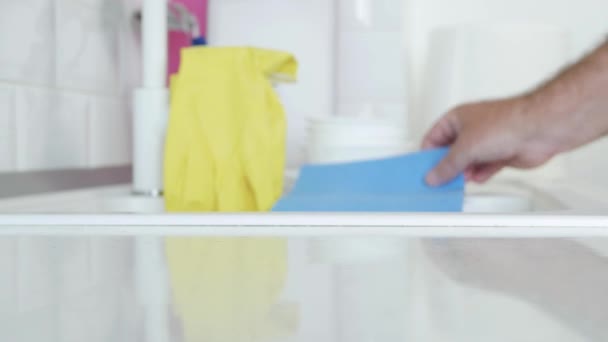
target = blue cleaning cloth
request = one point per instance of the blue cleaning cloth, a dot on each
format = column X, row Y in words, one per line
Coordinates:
column 383, row 185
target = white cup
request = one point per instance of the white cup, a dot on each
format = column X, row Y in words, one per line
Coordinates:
column 350, row 139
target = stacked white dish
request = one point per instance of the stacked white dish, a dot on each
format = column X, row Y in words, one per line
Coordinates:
column 344, row 139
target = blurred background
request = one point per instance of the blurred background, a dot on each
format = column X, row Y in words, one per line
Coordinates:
column 68, row 69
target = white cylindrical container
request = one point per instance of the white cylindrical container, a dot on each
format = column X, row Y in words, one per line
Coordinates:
column 371, row 63
column 151, row 108
column 151, row 101
column 154, row 43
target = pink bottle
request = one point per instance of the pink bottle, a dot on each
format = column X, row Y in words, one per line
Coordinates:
column 179, row 40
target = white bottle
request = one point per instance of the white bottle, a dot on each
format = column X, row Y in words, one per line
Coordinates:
column 371, row 65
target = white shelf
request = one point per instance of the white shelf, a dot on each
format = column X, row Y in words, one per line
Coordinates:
column 309, row 225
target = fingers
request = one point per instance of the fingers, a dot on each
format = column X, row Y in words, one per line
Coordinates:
column 457, row 160
column 441, row 134
column 451, row 167
column 481, row 136
column 444, row 133
column 483, row 173
column 468, row 174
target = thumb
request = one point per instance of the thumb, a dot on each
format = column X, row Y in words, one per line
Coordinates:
column 450, row 167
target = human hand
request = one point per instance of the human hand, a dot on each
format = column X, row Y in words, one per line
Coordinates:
column 485, row 137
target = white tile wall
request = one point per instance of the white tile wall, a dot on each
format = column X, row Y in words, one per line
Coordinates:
column 64, row 72
column 87, row 44
column 108, row 134
column 51, row 129
column 27, row 42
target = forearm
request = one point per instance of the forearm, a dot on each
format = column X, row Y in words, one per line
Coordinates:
column 572, row 109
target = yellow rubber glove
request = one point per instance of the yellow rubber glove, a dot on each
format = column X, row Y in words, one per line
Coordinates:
column 225, row 152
